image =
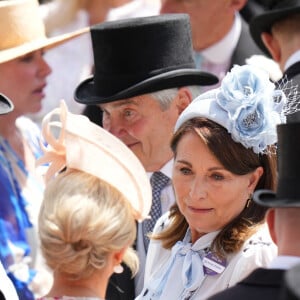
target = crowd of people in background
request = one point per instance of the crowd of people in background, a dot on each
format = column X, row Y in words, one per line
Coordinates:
column 149, row 149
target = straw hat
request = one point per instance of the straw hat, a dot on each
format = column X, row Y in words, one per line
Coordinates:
column 23, row 31
column 5, row 105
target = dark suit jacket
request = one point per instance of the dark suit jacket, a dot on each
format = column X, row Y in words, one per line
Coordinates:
column 121, row 286
column 245, row 48
column 260, row 284
column 293, row 73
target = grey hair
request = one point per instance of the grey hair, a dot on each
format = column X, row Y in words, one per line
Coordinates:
column 165, row 97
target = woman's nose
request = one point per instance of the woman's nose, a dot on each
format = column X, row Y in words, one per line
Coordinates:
column 198, row 188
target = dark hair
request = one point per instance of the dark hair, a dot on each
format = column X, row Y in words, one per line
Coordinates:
column 238, row 160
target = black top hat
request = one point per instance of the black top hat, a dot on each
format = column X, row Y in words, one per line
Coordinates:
column 288, row 189
column 141, row 55
column 277, row 10
column 5, row 105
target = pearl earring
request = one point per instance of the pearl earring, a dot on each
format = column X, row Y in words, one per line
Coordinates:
column 118, row 269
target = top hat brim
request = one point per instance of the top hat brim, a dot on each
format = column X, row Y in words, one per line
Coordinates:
column 263, row 23
column 42, row 43
column 86, row 93
column 269, row 199
column 6, row 105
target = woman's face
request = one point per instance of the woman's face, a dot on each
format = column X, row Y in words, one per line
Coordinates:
column 23, row 80
column 208, row 195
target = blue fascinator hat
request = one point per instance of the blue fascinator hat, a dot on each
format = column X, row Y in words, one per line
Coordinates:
column 247, row 104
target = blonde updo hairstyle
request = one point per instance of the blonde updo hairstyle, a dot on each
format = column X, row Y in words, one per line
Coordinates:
column 82, row 221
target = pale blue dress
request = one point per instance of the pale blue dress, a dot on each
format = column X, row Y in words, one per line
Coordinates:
column 187, row 271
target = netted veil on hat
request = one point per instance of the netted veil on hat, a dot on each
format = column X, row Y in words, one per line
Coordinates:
column 6, row 105
column 23, row 31
column 82, row 145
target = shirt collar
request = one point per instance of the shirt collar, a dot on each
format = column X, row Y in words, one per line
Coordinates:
column 166, row 169
column 222, row 51
column 295, row 57
column 203, row 242
column 284, row 262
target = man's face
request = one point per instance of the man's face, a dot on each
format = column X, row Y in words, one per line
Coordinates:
column 208, row 18
column 144, row 127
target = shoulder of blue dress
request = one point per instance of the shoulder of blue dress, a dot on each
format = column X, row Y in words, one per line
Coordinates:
column 32, row 133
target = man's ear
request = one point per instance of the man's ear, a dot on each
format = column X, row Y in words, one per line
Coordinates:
column 237, row 5
column 272, row 45
column 270, row 216
column 184, row 98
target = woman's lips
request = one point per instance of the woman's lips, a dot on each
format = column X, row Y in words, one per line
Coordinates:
column 200, row 210
column 40, row 91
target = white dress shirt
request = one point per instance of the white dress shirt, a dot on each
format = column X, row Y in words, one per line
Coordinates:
column 295, row 57
column 216, row 59
column 284, row 262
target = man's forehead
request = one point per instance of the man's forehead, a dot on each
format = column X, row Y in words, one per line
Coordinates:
column 119, row 103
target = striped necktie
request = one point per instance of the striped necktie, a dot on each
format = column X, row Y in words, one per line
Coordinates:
column 158, row 182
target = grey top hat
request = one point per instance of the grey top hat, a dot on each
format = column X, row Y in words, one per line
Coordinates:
column 141, row 55
column 288, row 189
column 277, row 10
column 5, row 105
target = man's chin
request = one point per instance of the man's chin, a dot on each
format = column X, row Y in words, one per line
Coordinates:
column 137, row 152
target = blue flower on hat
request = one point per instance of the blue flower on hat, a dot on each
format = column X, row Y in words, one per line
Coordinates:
column 248, row 105
column 253, row 106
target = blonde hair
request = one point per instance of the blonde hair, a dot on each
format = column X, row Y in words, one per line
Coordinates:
column 82, row 221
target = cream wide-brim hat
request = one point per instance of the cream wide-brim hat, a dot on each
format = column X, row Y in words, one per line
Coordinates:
column 23, row 31
column 82, row 145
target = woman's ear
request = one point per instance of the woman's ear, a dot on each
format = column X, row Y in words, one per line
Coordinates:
column 118, row 256
column 254, row 178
